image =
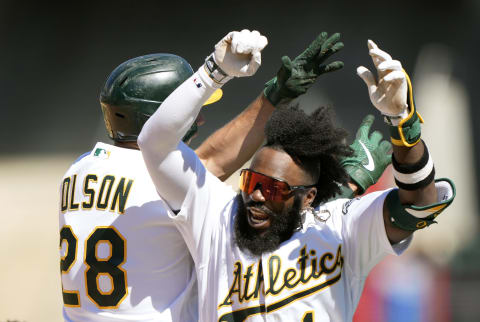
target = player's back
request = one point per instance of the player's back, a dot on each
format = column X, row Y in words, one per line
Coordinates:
column 122, row 259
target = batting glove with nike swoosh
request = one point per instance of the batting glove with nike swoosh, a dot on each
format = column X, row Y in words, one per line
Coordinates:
column 238, row 54
column 371, row 156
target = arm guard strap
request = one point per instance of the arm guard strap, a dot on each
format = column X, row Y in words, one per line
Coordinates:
column 410, row 217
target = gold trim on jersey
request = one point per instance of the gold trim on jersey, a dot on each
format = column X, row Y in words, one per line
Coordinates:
column 76, row 293
column 110, row 278
column 246, row 312
column 64, row 198
column 311, row 317
column 103, row 204
column 89, row 192
column 111, row 195
column 88, row 267
column 62, row 258
column 245, row 278
column 103, row 241
column 121, row 194
column 73, row 206
column 69, row 295
column 288, row 279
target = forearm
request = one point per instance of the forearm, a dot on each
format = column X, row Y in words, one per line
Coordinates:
column 166, row 127
column 422, row 196
column 230, row 147
column 162, row 133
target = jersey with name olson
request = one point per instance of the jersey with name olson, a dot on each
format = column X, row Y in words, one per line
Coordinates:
column 122, row 258
column 316, row 275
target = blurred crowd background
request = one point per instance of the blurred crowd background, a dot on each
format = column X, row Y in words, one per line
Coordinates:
column 55, row 57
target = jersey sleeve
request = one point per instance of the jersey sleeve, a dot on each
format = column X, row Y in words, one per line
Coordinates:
column 364, row 235
column 165, row 129
column 204, row 210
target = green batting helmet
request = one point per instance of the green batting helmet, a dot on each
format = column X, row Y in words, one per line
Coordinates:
column 136, row 88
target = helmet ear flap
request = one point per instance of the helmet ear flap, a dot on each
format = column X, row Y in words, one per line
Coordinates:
column 136, row 88
column 106, row 118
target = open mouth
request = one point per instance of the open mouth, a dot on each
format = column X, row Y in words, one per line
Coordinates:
column 257, row 218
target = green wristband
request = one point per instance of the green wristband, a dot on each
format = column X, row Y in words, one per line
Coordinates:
column 408, row 131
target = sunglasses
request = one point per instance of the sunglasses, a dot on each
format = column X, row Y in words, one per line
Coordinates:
column 271, row 188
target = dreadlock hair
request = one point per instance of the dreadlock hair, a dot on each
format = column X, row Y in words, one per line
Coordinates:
column 314, row 143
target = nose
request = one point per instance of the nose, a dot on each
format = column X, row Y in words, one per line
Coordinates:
column 257, row 195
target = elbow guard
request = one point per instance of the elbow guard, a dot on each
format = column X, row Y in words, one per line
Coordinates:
column 410, row 217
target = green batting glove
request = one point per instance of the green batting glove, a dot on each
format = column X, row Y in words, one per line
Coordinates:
column 371, row 156
column 295, row 77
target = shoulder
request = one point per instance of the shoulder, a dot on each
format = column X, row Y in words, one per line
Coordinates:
column 82, row 156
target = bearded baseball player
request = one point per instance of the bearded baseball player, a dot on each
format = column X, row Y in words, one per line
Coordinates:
column 132, row 284
column 266, row 254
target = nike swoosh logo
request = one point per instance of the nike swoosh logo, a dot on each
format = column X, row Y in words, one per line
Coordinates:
column 370, row 166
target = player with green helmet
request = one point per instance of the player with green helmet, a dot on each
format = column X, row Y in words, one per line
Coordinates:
column 136, row 88
column 136, row 265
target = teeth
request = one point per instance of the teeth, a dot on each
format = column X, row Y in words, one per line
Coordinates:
column 257, row 216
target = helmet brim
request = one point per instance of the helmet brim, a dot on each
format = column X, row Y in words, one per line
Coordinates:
column 216, row 96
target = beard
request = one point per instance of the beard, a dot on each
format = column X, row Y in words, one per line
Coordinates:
column 282, row 227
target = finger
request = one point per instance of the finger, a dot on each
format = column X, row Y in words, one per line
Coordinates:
column 256, row 57
column 385, row 147
column 255, row 62
column 242, row 42
column 388, row 159
column 229, row 36
column 321, row 57
column 336, row 65
column 330, row 42
column 367, row 76
column 395, row 77
column 285, row 70
column 313, row 49
column 234, row 39
column 379, row 56
column 306, row 81
column 389, row 65
column 262, row 42
column 287, row 62
column 371, row 44
column 364, row 128
column 375, row 138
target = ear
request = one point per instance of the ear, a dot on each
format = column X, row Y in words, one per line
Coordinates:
column 309, row 197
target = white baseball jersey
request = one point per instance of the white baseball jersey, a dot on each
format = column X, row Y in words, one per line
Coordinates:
column 122, row 259
column 316, row 275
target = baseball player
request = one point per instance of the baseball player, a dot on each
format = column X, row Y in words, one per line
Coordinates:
column 266, row 254
column 122, row 259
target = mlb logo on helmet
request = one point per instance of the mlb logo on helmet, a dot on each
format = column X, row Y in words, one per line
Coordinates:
column 101, row 153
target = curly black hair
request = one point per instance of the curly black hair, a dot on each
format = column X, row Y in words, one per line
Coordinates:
column 314, row 143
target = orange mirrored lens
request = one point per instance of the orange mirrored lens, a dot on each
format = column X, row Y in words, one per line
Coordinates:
column 271, row 188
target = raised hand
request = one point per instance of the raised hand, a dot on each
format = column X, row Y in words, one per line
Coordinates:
column 371, row 156
column 389, row 93
column 295, row 77
column 238, row 54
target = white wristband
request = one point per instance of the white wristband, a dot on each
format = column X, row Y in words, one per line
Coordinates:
column 215, row 72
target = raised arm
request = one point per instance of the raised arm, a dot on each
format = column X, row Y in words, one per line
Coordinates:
column 231, row 146
column 419, row 199
column 170, row 164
